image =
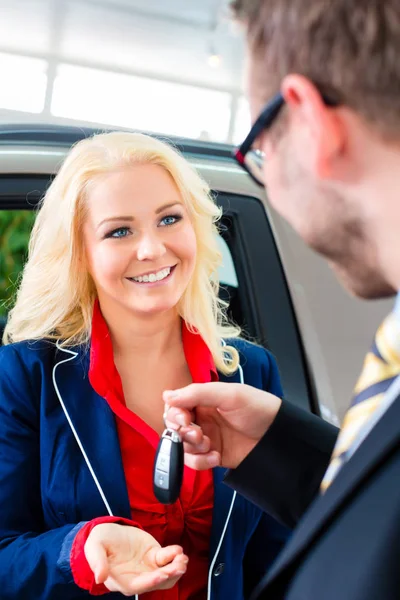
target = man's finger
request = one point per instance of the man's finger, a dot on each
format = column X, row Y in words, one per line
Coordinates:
column 175, row 417
column 212, row 394
column 192, row 435
column 202, row 462
column 201, row 447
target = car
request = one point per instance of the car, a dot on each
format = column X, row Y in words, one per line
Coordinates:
column 283, row 295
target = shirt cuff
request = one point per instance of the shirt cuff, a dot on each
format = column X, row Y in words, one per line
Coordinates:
column 81, row 571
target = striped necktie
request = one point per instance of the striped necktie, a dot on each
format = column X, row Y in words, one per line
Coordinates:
column 381, row 367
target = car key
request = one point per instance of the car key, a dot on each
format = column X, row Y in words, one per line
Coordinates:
column 168, row 467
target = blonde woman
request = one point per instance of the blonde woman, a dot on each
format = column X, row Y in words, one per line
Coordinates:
column 118, row 302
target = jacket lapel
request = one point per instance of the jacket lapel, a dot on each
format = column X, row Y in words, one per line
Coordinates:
column 369, row 456
column 94, row 424
column 222, row 502
column 222, row 493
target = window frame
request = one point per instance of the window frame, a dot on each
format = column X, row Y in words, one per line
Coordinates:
column 272, row 322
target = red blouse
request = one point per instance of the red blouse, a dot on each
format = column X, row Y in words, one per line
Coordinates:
column 187, row 522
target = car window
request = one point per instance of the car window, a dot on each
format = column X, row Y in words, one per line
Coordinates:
column 15, row 229
column 227, row 272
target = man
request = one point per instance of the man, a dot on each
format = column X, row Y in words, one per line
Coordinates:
column 331, row 141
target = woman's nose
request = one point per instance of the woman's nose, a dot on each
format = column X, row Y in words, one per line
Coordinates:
column 150, row 247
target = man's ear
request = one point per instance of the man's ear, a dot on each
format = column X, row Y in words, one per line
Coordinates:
column 320, row 122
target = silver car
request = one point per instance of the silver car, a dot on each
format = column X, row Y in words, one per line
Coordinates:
column 282, row 294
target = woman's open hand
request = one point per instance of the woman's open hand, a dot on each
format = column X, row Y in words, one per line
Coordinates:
column 130, row 561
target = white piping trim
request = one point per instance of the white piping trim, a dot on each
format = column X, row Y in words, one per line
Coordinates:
column 241, row 374
column 93, row 474
column 210, row 572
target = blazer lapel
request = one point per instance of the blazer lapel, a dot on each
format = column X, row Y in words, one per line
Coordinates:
column 222, row 493
column 372, row 452
column 94, row 424
column 222, row 502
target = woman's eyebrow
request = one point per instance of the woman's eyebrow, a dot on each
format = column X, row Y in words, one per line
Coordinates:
column 165, row 206
column 112, row 219
column 130, row 218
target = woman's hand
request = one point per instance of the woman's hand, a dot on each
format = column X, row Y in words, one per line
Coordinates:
column 230, row 419
column 130, row 561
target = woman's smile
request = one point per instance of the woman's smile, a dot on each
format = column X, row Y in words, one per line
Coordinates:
column 153, row 278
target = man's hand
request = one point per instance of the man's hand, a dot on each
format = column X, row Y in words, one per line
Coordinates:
column 130, row 561
column 229, row 419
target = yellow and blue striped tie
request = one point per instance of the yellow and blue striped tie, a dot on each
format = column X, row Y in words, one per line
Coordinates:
column 381, row 367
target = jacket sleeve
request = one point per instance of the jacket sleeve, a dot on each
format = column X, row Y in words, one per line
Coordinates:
column 34, row 563
column 283, row 473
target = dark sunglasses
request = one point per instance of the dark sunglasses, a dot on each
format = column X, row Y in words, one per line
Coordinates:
column 252, row 160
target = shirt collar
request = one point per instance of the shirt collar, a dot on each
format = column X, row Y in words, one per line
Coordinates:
column 102, row 369
column 198, row 356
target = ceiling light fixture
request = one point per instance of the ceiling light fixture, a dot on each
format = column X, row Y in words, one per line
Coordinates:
column 214, row 60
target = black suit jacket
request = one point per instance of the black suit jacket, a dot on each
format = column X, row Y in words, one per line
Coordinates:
column 346, row 545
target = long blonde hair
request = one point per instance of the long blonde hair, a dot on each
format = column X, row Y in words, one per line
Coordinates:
column 56, row 293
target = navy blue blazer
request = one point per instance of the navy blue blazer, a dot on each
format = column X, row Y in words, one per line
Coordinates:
column 47, row 491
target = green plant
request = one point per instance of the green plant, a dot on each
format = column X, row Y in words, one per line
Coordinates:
column 15, row 229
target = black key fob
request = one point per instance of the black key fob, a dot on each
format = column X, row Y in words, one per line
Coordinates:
column 168, row 467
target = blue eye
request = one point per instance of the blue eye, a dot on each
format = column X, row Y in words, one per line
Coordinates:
column 170, row 220
column 121, row 232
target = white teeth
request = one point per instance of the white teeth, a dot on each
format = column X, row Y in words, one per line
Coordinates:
column 152, row 277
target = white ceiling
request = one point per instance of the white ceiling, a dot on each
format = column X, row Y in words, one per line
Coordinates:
column 167, row 39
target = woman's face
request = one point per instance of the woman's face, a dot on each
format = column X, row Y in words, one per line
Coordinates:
column 139, row 241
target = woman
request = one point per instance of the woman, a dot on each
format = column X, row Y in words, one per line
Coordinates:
column 118, row 302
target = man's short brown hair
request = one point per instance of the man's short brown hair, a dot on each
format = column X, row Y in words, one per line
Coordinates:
column 350, row 49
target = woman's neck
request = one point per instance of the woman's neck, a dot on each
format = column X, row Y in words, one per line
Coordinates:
column 134, row 335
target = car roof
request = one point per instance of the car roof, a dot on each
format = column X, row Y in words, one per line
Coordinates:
column 39, row 148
